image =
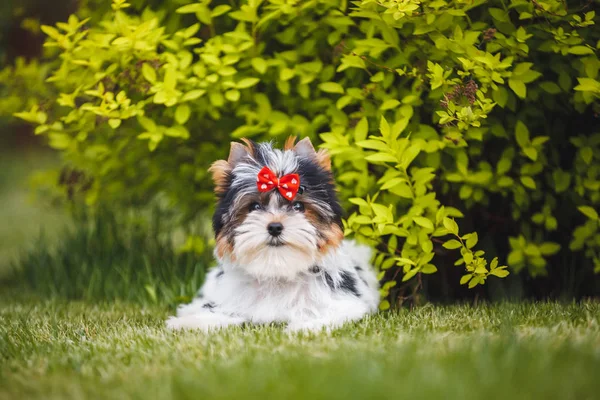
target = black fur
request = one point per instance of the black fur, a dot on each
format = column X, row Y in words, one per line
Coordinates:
column 349, row 284
column 329, row 281
column 319, row 183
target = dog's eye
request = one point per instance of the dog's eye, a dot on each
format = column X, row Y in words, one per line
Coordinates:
column 255, row 207
column 298, row 206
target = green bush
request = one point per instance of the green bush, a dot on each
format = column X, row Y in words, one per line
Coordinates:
column 431, row 110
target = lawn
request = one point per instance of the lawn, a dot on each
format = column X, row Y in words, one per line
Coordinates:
column 55, row 349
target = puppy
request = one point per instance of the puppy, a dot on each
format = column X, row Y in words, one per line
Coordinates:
column 279, row 246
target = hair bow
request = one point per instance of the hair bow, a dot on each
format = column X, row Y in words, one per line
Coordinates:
column 287, row 185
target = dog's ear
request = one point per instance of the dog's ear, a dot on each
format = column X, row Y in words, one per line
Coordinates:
column 304, row 148
column 237, row 153
column 221, row 169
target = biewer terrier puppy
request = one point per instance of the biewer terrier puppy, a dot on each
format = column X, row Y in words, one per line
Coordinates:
column 279, row 246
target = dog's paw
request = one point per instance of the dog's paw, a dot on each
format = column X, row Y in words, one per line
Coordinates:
column 202, row 322
column 314, row 326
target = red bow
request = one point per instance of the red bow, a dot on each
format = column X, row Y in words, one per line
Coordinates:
column 287, row 185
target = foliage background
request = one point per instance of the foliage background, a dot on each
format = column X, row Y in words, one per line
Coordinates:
column 436, row 113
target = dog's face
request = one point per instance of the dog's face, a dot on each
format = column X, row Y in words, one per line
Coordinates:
column 262, row 226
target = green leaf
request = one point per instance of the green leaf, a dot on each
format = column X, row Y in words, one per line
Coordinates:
column 515, row 258
column 220, row 10
column 51, row 32
column 59, row 141
column 499, row 272
column 410, row 274
column 392, row 183
column 472, row 240
column 549, row 248
column 500, row 96
column 389, row 104
column 170, row 78
column 193, row 95
column 114, row 123
column 429, row 269
column 373, row 144
column 550, row 87
column 587, row 153
column 589, row 212
column 149, row 73
column 182, row 114
column 147, row 123
column 465, row 279
column 424, row 222
column 528, row 182
column 522, row 134
column 232, row 95
column 361, row 129
column 494, row 263
column 381, row 157
column 409, row 155
column 259, row 65
column 402, row 190
column 384, row 305
column 247, row 83
column 190, row 8
column 331, row 87
column 503, row 166
column 531, row 152
column 227, row 71
column 499, row 14
column 587, row 85
column 451, row 225
column 474, row 282
column 404, row 261
column 384, row 127
column 518, row 87
column 581, row 50
column 452, row 244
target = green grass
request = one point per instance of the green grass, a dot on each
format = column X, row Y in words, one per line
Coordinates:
column 53, row 349
column 110, row 256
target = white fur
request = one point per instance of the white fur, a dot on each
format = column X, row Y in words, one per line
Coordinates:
column 257, row 258
column 305, row 301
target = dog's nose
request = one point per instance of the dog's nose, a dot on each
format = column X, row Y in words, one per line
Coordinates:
column 275, row 228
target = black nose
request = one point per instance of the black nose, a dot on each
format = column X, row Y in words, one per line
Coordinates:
column 275, row 228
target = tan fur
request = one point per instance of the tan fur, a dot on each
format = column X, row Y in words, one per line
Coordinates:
column 305, row 148
column 219, row 170
column 289, row 143
column 334, row 237
column 223, row 247
column 324, row 160
column 249, row 145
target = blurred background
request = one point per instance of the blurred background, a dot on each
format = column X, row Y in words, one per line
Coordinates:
column 139, row 152
column 23, row 214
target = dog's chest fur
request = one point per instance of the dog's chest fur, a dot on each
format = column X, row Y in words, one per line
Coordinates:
column 341, row 286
